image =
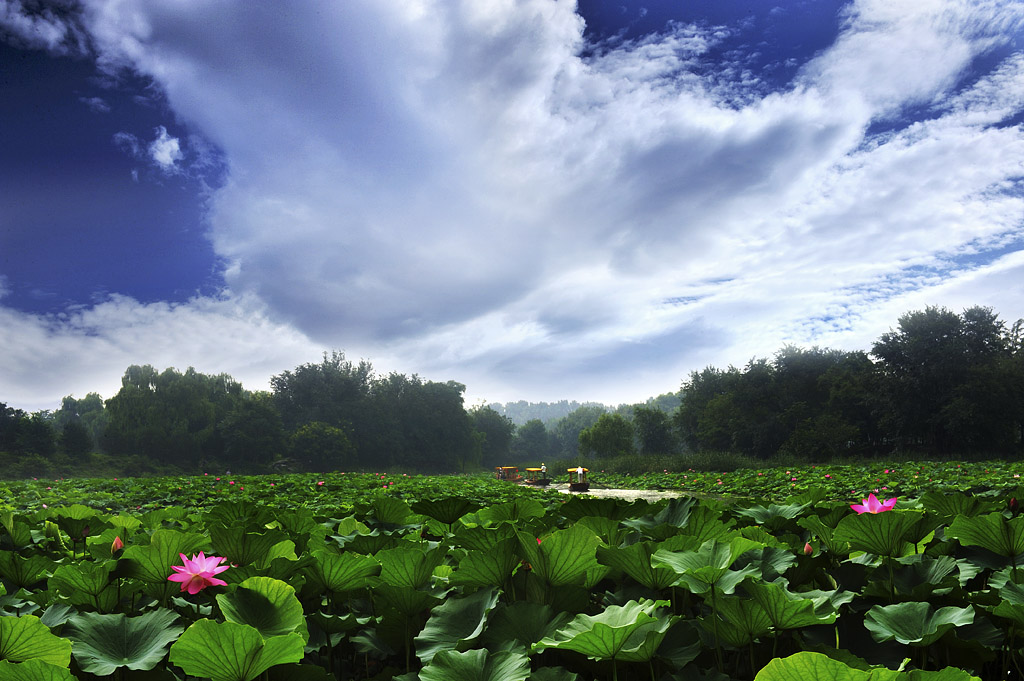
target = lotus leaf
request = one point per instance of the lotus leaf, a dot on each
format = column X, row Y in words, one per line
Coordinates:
column 102, row 643
column 408, row 566
column 913, row 623
column 455, row 623
column 446, row 510
column 487, row 568
column 630, row 632
column 266, row 604
column 338, row 572
column 993, row 532
column 883, row 534
column 27, row 638
column 227, row 651
column 33, row 670
column 153, row 563
column 708, row 567
column 477, row 665
column 563, row 557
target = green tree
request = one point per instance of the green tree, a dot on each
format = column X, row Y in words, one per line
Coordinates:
column 335, row 391
column 653, row 428
column 942, row 380
column 170, row 417
column 253, row 434
column 75, row 441
column 567, row 430
column 611, row 435
column 317, row 446
column 497, row 431
column 531, row 442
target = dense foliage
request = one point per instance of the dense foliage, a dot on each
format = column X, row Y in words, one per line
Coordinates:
column 942, row 384
column 373, row 576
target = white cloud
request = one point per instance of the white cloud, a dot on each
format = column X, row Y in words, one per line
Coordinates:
column 87, row 350
column 165, row 150
column 450, row 188
column 47, row 27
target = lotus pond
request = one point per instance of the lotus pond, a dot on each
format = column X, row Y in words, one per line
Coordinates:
column 384, row 576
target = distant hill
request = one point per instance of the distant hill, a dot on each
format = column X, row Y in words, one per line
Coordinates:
column 548, row 412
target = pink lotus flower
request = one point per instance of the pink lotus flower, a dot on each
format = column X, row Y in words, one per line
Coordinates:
column 198, row 573
column 873, row 505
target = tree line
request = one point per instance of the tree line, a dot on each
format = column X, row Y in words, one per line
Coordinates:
column 941, row 383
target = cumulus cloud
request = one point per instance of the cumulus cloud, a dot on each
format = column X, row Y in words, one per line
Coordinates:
column 87, row 349
column 165, row 151
column 471, row 191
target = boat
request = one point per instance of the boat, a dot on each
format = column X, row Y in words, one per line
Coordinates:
column 510, row 473
column 578, row 479
column 538, row 477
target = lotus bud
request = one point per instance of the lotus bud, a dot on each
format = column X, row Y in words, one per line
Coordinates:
column 1014, row 506
column 808, row 549
column 116, row 545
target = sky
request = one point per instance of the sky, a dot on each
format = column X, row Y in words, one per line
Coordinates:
column 540, row 199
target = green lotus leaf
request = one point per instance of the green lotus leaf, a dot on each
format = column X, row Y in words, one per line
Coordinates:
column 635, row 561
column 228, row 651
column 706, row 523
column 241, row 547
column 446, row 510
column 610, row 531
column 708, row 567
column 580, row 507
column 405, row 599
column 389, row 510
column 805, row 666
column 19, row 532
column 27, row 638
column 239, row 513
column 553, row 674
column 824, row 534
column 513, row 511
column 86, row 584
column 740, row 621
column 487, row 568
column 455, row 623
column 667, row 521
column 786, row 610
column 563, row 557
column 266, row 604
column 78, row 521
column 992, row 532
column 630, row 632
column 883, row 534
column 408, row 566
column 477, row 665
column 922, row 576
column 102, row 643
column 774, row 516
column 523, row 622
column 56, row 615
column 152, row 563
column 342, row 571
column 914, row 623
column 23, row 571
column 33, row 670
column 771, row 562
column 483, row 538
column 946, row 506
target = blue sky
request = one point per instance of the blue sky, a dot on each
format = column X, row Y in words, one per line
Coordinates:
column 541, row 199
